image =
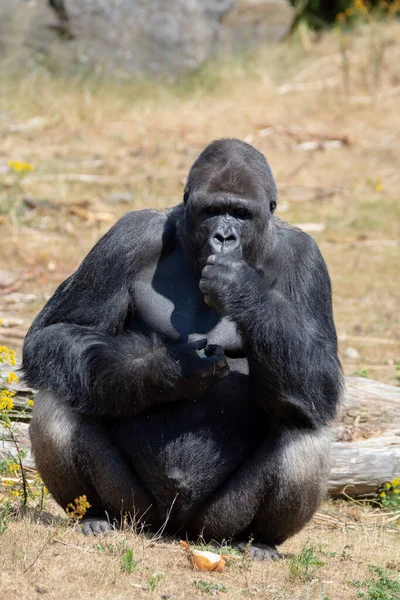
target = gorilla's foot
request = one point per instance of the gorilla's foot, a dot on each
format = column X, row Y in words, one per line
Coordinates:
column 95, row 526
column 258, row 551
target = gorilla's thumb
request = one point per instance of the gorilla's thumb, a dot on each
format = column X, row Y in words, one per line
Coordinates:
column 199, row 344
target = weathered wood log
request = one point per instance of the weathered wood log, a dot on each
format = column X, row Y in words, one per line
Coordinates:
column 366, row 450
column 366, row 447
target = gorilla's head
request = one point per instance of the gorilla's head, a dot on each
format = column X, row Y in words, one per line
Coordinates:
column 229, row 198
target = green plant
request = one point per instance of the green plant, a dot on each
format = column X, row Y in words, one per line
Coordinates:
column 12, row 189
column 128, row 562
column 306, row 563
column 6, row 516
column 362, row 373
column 379, row 587
column 210, row 588
column 390, row 494
column 15, row 480
column 153, row 580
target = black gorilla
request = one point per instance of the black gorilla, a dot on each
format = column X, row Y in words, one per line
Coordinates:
column 188, row 369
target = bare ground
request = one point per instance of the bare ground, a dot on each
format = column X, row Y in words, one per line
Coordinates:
column 329, row 123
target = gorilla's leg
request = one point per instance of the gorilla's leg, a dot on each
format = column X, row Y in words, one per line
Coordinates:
column 75, row 457
column 272, row 496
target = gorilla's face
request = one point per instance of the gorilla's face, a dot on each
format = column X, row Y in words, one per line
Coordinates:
column 229, row 198
column 223, row 224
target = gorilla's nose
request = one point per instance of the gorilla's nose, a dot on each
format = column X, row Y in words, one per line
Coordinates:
column 224, row 241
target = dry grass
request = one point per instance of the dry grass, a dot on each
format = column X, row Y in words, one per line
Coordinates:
column 143, row 139
column 59, row 563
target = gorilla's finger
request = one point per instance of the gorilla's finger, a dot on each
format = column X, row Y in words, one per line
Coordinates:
column 213, row 350
column 204, row 286
column 220, row 374
column 219, row 360
column 224, row 372
column 207, row 271
column 219, row 259
column 207, row 300
column 105, row 527
column 94, row 526
column 87, row 529
column 199, row 344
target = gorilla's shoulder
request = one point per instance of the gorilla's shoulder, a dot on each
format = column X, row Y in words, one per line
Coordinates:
column 295, row 241
column 142, row 229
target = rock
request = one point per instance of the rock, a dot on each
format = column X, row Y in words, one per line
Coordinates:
column 351, row 354
column 6, row 279
column 252, row 22
column 163, row 37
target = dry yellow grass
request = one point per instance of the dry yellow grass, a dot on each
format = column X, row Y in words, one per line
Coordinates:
column 143, row 139
column 59, row 563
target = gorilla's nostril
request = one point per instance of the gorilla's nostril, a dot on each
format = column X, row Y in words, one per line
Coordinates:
column 219, row 238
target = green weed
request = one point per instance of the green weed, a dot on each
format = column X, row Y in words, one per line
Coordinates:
column 379, row 587
column 210, row 588
column 306, row 563
column 153, row 580
column 128, row 562
column 362, row 373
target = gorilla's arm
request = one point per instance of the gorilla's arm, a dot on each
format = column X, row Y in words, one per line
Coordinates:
column 285, row 317
column 77, row 346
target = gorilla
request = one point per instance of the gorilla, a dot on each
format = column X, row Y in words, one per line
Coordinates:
column 187, row 371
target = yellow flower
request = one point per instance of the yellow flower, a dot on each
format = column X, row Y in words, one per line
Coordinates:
column 1, row 320
column 78, row 508
column 7, row 355
column 396, row 491
column 396, row 481
column 6, row 402
column 30, row 403
column 20, row 167
column 388, row 486
column 378, row 185
column 12, row 378
column 382, row 495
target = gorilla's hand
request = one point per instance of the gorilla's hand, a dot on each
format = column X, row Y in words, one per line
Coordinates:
column 229, row 283
column 201, row 365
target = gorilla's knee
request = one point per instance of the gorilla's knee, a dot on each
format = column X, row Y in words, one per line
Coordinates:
column 53, row 425
column 301, row 469
column 54, row 433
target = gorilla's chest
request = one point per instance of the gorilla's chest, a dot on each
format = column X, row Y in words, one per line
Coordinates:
column 168, row 301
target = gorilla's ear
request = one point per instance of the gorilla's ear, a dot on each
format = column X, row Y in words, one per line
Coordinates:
column 272, row 206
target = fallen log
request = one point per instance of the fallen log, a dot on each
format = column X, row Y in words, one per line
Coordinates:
column 366, row 450
column 366, row 434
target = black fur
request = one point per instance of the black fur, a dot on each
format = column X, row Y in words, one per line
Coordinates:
column 229, row 445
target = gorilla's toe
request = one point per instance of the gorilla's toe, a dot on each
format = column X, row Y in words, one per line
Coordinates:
column 95, row 526
column 259, row 551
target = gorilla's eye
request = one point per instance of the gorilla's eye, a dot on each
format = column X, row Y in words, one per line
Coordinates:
column 211, row 211
column 241, row 213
